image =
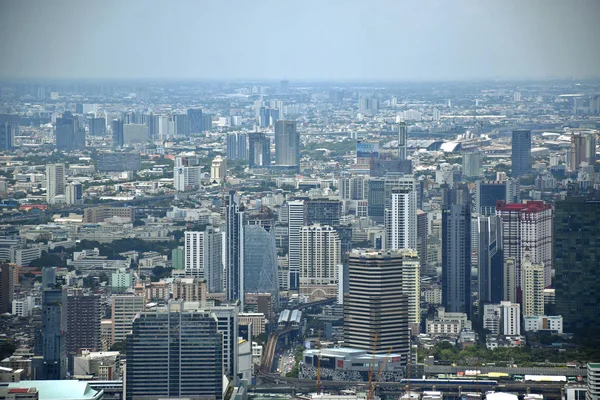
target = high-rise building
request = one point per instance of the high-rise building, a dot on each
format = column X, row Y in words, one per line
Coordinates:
column 510, row 280
column 195, row 117
column 456, row 251
column 259, row 152
column 422, row 237
column 471, row 164
column 368, row 105
column 9, row 128
column 182, row 126
column 117, row 133
column 237, row 146
column 175, row 353
column 527, row 226
column 374, row 308
column 532, row 287
column 203, row 257
column 323, row 211
column 354, row 188
column 287, row 144
column 83, row 322
column 487, row 193
column 54, row 328
column 411, row 287
column 296, row 220
column 320, row 256
column 583, row 149
column 187, row 178
column 521, row 152
column 511, row 318
column 69, row 135
column 402, row 141
column 260, row 261
column 577, row 256
column 96, row 125
column 227, row 324
column 490, row 260
column 55, row 181
column 593, row 382
column 401, row 220
column 135, row 133
column 377, row 200
column 124, row 308
column 234, row 261
column 6, row 274
column 74, row 193
column 218, row 170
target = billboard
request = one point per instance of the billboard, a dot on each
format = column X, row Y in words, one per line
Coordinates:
column 367, row 149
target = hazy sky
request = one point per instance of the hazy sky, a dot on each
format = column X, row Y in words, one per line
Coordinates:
column 300, row 39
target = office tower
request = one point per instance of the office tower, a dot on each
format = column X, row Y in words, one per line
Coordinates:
column 577, row 256
column 456, row 251
column 487, row 193
column 411, row 287
column 117, row 133
column 320, row 256
column 471, row 164
column 195, row 117
column 9, row 128
column 218, row 170
column 187, row 178
column 368, row 105
column 259, row 154
column 69, row 136
column 509, row 287
column 376, row 197
column 511, row 318
column 55, row 181
column 151, row 122
column 583, row 149
column 175, row 353
column 124, row 308
column 232, row 147
column 83, row 322
column 287, row 144
column 401, row 220
column 6, row 273
column 96, row 125
column 374, row 307
column 354, row 188
column 73, row 193
column 260, row 261
column 521, row 152
column 532, row 287
column 54, row 328
column 203, row 257
column 237, row 146
column 135, row 133
column 234, row 262
column 227, row 325
column 182, row 125
column 402, row 141
column 296, row 220
column 490, row 260
column 527, row 226
column 422, row 237
column 323, row 211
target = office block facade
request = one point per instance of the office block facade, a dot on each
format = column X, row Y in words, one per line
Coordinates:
column 521, row 152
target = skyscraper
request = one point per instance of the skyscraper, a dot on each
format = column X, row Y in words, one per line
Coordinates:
column 117, row 133
column 195, row 117
column 323, row 211
column 69, row 135
column 9, row 128
column 287, row 144
column 401, row 220
column 182, row 125
column 472, row 164
column 374, row 307
column 422, row 237
column 487, row 193
column 234, row 261
column 296, row 220
column 490, row 260
column 320, row 256
column 402, row 141
column 55, row 181
column 96, row 125
column 260, row 261
column 456, row 251
column 83, row 322
column 411, row 287
column 259, row 154
column 54, row 328
column 5, row 287
column 583, row 149
column 532, row 287
column 175, row 353
column 237, row 146
column 577, row 257
column 521, row 152
column 74, row 193
column 527, row 226
column 124, row 309
column 203, row 257
column 377, row 199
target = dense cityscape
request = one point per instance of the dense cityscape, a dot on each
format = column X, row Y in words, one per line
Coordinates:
column 299, row 239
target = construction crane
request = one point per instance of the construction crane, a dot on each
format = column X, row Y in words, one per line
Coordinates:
column 319, row 363
column 372, row 365
column 381, row 367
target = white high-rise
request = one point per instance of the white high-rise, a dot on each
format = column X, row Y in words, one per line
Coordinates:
column 532, row 287
column 411, row 286
column 187, row 178
column 511, row 319
column 55, row 181
column 203, row 257
column 74, row 193
column 296, row 220
column 320, row 255
column 401, row 220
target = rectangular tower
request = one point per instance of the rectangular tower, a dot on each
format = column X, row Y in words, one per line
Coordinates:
column 234, row 244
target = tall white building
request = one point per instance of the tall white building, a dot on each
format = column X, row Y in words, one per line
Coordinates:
column 55, row 181
column 401, row 220
column 510, row 283
column 511, row 318
column 218, row 170
column 187, row 178
column 411, row 286
column 492, row 314
column 532, row 287
column 74, row 193
column 296, row 220
column 320, row 255
column 203, row 257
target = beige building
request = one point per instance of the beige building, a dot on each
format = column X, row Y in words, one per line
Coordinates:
column 532, row 287
column 256, row 319
column 124, row 309
column 218, row 170
column 320, row 255
column 190, row 289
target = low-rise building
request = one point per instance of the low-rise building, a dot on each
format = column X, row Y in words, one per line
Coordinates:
column 543, row 323
column 447, row 323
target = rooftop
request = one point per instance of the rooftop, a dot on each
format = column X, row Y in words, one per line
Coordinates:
column 63, row 390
